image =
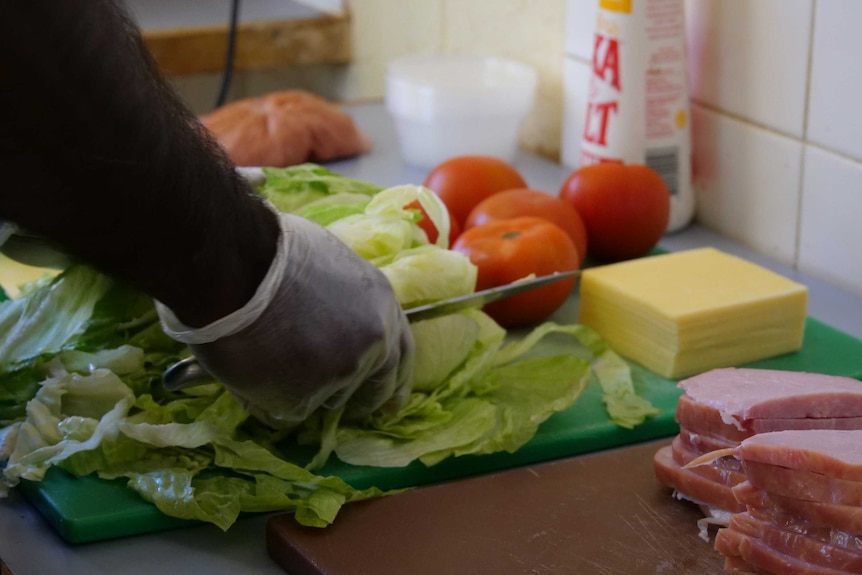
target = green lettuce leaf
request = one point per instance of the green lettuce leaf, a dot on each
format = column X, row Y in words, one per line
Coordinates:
column 291, row 189
column 625, row 407
column 81, row 359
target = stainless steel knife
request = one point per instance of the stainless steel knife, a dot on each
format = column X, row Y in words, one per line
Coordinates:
column 188, row 370
column 480, row 298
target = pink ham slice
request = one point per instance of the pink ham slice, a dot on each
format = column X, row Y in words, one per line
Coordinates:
column 741, row 394
column 765, row 559
column 796, row 441
column 806, row 485
column 846, row 518
column 738, row 565
column 800, row 525
column 717, row 471
column 835, row 453
column 798, row 545
column 702, row 443
column 707, row 420
column 692, row 486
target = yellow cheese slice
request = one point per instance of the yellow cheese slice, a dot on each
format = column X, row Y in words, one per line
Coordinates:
column 683, row 313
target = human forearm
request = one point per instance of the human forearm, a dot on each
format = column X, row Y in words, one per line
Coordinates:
column 99, row 155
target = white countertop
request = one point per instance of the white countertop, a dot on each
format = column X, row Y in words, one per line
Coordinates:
column 28, row 545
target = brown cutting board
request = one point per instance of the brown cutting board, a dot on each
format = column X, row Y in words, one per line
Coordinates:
column 596, row 514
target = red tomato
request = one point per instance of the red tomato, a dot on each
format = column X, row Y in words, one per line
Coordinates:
column 428, row 226
column 526, row 202
column 509, row 250
column 464, row 181
column 625, row 208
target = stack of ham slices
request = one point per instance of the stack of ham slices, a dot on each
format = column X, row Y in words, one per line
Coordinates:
column 803, row 500
column 776, row 509
column 722, row 407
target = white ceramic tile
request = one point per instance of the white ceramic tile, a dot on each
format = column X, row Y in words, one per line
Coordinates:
column 834, row 120
column 580, row 23
column 747, row 182
column 750, row 58
column 576, row 77
column 831, row 236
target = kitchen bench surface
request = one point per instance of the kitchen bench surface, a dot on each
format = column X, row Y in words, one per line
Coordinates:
column 28, row 545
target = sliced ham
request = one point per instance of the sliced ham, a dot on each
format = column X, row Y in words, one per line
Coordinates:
column 800, row 525
column 707, row 420
column 727, row 542
column 835, row 453
column 765, row 559
column 799, row 545
column 763, row 556
column 788, row 448
column 806, row 485
column 702, row 443
column 741, row 394
column 736, row 564
column 717, row 471
column 845, row 518
column 769, row 425
column 692, row 486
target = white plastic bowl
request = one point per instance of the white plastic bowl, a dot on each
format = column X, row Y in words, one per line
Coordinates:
column 451, row 105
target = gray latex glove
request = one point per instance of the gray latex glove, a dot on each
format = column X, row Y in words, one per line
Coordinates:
column 323, row 329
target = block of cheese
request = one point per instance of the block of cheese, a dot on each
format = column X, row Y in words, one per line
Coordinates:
column 682, row 313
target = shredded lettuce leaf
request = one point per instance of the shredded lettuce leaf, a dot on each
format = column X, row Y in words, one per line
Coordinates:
column 82, row 358
column 298, row 187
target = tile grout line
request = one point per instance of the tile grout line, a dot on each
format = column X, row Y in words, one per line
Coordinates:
column 754, row 123
column 751, row 123
column 803, row 152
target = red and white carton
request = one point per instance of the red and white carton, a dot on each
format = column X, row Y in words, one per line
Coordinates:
column 638, row 101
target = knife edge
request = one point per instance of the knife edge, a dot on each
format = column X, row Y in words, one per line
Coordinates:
column 480, row 298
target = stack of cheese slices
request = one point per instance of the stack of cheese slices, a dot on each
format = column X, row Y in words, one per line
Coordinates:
column 754, row 449
column 683, row 313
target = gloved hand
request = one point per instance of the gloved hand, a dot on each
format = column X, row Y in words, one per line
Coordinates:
column 323, row 329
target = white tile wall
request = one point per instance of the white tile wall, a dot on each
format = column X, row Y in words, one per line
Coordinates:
column 831, row 217
column 750, row 58
column 777, row 127
column 834, row 118
column 747, row 180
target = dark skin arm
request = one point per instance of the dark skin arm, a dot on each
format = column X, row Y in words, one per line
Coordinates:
column 98, row 154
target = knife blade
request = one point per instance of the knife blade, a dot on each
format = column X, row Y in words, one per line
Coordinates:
column 188, row 370
column 480, row 298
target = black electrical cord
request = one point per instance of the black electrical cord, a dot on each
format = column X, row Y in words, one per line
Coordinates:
column 227, row 74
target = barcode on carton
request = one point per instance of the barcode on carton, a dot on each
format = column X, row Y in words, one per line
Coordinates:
column 665, row 161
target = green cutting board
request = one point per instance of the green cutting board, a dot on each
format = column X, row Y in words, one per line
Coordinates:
column 88, row 509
